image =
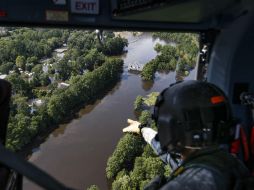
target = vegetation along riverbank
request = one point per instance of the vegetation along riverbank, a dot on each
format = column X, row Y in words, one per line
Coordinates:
column 133, row 163
column 53, row 74
column 180, row 57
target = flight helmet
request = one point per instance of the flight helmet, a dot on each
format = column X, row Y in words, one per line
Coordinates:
column 192, row 114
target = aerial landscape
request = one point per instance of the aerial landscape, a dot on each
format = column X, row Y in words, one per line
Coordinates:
column 73, row 91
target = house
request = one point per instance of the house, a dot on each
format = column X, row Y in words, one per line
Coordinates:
column 3, row 76
column 62, row 85
column 36, row 102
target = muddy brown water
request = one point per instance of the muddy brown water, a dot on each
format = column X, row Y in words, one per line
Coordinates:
column 76, row 153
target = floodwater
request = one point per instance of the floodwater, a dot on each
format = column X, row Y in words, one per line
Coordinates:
column 76, row 153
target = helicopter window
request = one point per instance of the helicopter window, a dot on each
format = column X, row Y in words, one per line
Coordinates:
column 73, row 90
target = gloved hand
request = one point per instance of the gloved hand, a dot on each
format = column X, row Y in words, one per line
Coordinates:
column 133, row 127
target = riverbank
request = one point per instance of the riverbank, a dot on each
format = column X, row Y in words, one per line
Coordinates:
column 127, row 34
column 58, row 112
column 29, row 148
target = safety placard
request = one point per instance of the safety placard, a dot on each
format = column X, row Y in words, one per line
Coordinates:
column 59, row 2
column 85, row 6
column 56, row 15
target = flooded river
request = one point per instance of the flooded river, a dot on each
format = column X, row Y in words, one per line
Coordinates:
column 76, row 153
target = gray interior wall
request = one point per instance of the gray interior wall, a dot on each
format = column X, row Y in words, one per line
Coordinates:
column 232, row 59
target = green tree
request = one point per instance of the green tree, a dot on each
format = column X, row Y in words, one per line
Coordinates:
column 34, row 60
column 29, row 66
column 148, row 152
column 19, row 131
column 20, row 105
column 44, row 79
column 138, row 103
column 36, row 78
column 35, row 81
column 145, row 169
column 51, row 71
column 63, row 69
column 6, row 67
column 37, row 69
column 127, row 149
column 145, row 117
column 56, row 107
column 19, row 85
column 93, row 59
column 122, row 183
column 21, row 62
column 82, row 40
column 114, row 46
column 149, row 70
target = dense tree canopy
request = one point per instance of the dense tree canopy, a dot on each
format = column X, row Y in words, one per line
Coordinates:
column 30, row 42
column 127, row 149
column 64, row 102
column 34, row 71
column 149, row 70
column 6, row 67
column 114, row 46
column 19, row 85
column 180, row 57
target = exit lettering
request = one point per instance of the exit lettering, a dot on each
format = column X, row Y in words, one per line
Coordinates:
column 85, row 6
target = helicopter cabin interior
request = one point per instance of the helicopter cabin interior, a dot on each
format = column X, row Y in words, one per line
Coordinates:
column 226, row 30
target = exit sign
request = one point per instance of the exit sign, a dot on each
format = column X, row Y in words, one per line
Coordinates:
column 85, row 6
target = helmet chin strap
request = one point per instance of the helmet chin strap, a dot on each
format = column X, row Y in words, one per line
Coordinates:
column 179, row 152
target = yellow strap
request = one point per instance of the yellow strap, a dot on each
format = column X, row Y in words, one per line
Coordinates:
column 178, row 171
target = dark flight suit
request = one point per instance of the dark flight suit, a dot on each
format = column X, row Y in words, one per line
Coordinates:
column 207, row 169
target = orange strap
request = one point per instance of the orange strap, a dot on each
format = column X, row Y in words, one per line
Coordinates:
column 235, row 146
column 241, row 141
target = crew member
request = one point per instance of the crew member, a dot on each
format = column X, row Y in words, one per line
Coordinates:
column 193, row 119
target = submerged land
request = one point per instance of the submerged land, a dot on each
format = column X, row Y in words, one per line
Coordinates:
column 55, row 73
